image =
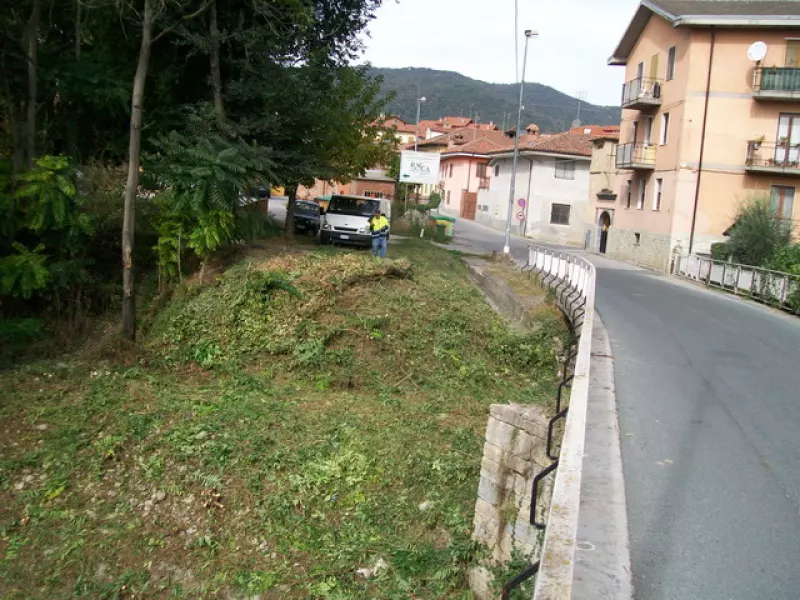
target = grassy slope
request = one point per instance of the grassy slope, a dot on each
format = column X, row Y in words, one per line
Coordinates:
column 265, row 443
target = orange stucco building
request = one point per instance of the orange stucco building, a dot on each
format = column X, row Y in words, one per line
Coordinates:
column 710, row 119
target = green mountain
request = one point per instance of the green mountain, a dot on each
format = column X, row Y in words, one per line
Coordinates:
column 450, row 93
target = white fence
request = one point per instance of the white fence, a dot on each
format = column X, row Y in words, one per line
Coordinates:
column 574, row 281
column 769, row 287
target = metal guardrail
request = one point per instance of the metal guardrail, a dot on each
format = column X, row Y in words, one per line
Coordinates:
column 573, row 280
column 781, row 290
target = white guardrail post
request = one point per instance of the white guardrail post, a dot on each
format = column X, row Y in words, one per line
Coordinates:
column 554, row 580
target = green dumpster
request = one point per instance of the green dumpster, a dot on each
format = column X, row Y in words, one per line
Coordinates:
column 441, row 232
column 448, row 222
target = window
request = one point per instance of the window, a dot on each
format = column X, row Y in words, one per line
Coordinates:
column 638, row 239
column 657, row 194
column 369, row 194
column 648, row 130
column 664, row 129
column 628, row 193
column 671, row 64
column 788, row 148
column 559, row 214
column 641, row 191
column 654, row 66
column 497, row 170
column 792, row 53
column 781, row 198
column 448, row 197
column 565, row 169
column 640, row 71
column 451, row 171
column 480, row 170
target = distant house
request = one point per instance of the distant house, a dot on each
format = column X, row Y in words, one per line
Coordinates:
column 464, row 172
column 551, row 198
column 450, row 141
column 602, row 185
column 375, row 183
column 394, row 126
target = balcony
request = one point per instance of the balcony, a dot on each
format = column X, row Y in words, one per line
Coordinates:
column 642, row 94
column 773, row 159
column 637, row 157
column 776, row 83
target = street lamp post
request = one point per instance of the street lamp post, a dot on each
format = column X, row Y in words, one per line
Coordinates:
column 507, row 247
column 420, row 102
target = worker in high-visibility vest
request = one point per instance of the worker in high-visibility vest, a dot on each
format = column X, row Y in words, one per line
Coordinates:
column 379, row 228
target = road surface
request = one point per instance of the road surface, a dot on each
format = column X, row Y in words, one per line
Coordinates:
column 708, row 389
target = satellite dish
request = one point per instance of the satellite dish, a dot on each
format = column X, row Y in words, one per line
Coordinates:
column 757, row 51
column 575, row 123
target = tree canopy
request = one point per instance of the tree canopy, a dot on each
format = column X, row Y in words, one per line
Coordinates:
column 215, row 96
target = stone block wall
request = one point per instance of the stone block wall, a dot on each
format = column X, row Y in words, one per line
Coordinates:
column 513, row 454
column 652, row 250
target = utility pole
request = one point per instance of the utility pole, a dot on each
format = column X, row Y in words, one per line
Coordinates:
column 507, row 247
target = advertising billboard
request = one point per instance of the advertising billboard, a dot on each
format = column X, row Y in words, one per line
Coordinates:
column 419, row 167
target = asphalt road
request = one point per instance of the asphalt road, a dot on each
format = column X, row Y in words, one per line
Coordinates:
column 708, row 390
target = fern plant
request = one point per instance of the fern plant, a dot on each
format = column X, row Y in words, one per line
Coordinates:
column 24, row 273
column 48, row 193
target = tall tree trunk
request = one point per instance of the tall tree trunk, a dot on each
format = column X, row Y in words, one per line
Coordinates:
column 216, row 75
column 132, row 184
column 291, row 193
column 31, row 56
column 78, row 29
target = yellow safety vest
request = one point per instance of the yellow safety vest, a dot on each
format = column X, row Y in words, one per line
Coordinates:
column 377, row 224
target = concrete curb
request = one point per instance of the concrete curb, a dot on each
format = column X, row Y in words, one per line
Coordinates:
column 602, row 560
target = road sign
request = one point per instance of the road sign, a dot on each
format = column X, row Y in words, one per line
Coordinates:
column 521, row 215
column 521, row 202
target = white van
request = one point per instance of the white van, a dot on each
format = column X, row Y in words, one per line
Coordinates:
column 346, row 220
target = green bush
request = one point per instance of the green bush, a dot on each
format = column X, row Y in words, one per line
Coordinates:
column 720, row 251
column 785, row 259
column 758, row 233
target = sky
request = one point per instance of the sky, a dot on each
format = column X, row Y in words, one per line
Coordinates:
column 476, row 38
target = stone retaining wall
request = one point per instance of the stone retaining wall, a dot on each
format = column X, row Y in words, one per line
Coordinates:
column 513, row 454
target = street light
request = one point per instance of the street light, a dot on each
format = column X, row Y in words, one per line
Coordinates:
column 507, row 247
column 420, row 102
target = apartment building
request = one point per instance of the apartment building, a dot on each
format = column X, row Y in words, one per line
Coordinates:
column 710, row 119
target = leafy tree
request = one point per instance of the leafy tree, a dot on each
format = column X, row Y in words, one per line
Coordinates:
column 757, row 234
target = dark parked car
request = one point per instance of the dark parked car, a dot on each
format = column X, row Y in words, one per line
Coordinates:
column 306, row 217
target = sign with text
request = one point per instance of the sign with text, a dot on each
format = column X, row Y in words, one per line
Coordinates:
column 419, row 167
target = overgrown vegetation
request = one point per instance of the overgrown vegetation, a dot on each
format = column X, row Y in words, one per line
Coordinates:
column 760, row 238
column 309, row 425
column 212, row 98
column 758, row 234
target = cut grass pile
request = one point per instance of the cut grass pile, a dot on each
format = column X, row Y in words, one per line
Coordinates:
column 310, row 415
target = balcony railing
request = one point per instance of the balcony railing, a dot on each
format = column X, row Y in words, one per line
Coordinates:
column 772, row 158
column 776, row 83
column 636, row 156
column 642, row 94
